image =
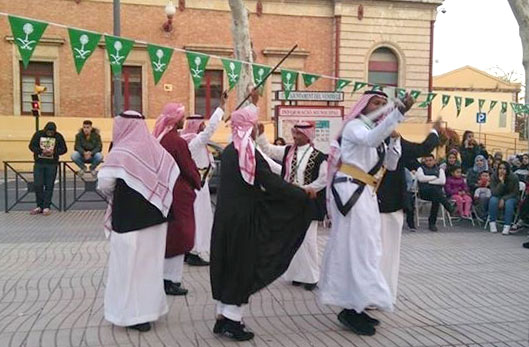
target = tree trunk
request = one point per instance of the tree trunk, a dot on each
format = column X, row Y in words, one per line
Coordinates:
column 242, row 46
column 520, row 9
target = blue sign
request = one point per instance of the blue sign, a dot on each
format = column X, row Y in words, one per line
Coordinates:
column 481, row 117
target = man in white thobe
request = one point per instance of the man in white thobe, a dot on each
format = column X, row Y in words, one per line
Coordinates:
column 351, row 276
column 305, row 166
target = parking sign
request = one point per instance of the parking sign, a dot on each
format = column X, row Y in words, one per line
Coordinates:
column 481, row 117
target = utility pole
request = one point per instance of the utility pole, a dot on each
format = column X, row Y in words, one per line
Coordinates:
column 117, row 77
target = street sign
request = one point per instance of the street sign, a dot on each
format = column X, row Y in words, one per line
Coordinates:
column 310, row 96
column 481, row 118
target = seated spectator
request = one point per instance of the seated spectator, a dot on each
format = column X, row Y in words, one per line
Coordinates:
column 482, row 195
column 505, row 189
column 523, row 170
column 87, row 148
column 480, row 165
column 431, row 181
column 409, row 202
column 523, row 220
column 450, row 161
column 469, row 150
column 495, row 164
column 457, row 190
column 280, row 142
column 498, row 156
column 513, row 162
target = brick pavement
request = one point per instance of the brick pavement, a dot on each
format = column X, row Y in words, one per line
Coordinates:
column 459, row 287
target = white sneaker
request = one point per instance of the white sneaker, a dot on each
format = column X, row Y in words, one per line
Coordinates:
column 506, row 229
column 493, row 228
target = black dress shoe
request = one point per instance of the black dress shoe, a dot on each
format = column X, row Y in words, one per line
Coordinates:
column 194, row 260
column 356, row 323
column 172, row 288
column 232, row 329
column 526, row 245
column 432, row 227
column 296, row 283
column 373, row 321
column 310, row 286
column 143, row 327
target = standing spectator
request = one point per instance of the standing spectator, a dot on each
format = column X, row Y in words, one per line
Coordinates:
column 47, row 145
column 450, row 161
column 480, row 165
column 457, row 189
column 280, row 142
column 87, row 148
column 469, row 150
column 431, row 181
column 482, row 195
column 504, row 186
column 523, row 171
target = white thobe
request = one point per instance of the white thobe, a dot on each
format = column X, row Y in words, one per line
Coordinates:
column 202, row 204
column 305, row 266
column 351, row 276
column 134, row 291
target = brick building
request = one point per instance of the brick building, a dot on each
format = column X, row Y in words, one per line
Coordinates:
column 385, row 42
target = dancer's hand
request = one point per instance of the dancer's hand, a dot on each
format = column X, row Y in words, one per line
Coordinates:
column 407, row 103
column 260, row 128
column 223, row 98
column 394, row 134
column 310, row 192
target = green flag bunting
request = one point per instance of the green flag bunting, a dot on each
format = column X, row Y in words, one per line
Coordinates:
column 503, row 107
column 233, row 71
column 492, row 104
column 341, row 84
column 260, row 73
column 401, row 93
column 83, row 44
column 358, row 86
column 309, row 79
column 160, row 59
column 468, row 101
column 288, row 79
column 118, row 50
column 428, row 100
column 445, row 100
column 481, row 102
column 197, row 66
column 26, row 35
column 415, row 94
column 458, row 100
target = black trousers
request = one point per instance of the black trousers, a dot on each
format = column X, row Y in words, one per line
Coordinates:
column 436, row 195
column 409, row 209
column 44, row 180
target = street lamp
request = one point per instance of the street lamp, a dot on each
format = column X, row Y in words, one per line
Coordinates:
column 170, row 10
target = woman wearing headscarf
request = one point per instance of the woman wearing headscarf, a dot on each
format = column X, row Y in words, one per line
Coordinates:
column 480, row 165
column 260, row 222
column 351, row 274
column 197, row 135
column 137, row 177
column 181, row 229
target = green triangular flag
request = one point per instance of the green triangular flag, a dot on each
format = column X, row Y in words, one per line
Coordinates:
column 503, row 107
column 26, row 35
column 160, row 59
column 260, row 73
column 428, row 100
column 401, row 93
column 197, row 66
column 288, row 79
column 515, row 108
column 445, row 100
column 492, row 104
column 83, row 45
column 481, row 102
column 377, row 87
column 233, row 71
column 309, row 79
column 458, row 104
column 358, row 86
column 118, row 50
column 415, row 94
column 341, row 84
column 468, row 101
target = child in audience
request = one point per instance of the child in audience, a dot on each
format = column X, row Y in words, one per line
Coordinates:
column 457, row 190
column 482, row 195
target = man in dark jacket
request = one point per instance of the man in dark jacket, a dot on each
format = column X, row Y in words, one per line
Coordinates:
column 47, row 145
column 391, row 197
column 87, row 147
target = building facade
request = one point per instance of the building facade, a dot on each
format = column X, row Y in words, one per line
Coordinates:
column 384, row 42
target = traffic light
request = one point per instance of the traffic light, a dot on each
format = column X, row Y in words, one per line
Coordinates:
column 35, row 105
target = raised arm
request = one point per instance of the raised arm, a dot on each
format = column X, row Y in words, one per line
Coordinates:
column 273, row 151
column 364, row 136
column 203, row 137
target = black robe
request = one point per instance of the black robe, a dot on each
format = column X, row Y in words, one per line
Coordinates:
column 255, row 233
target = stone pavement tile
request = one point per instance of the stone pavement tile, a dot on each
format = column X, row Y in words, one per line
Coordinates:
column 493, row 332
column 318, row 322
column 57, row 338
column 12, row 339
column 111, row 335
column 64, row 314
column 303, row 307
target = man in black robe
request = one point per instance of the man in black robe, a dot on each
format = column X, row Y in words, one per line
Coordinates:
column 260, row 222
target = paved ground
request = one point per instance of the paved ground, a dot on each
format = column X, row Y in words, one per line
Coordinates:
column 459, row 287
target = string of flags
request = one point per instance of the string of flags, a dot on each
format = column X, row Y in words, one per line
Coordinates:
column 27, row 33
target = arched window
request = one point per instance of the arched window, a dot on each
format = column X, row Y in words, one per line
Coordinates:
column 383, row 67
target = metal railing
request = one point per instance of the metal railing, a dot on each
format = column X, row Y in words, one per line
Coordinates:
column 88, row 187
